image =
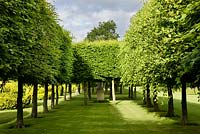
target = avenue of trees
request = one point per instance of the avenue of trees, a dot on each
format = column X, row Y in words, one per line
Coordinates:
column 160, row 49
column 34, row 49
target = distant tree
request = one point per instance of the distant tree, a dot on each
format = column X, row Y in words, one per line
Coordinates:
column 105, row 31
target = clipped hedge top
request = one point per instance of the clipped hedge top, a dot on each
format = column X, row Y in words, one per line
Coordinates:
column 101, row 58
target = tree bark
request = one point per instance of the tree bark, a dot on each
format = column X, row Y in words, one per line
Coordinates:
column 170, row 111
column 144, row 97
column 89, row 91
column 134, row 93
column 113, row 91
column 184, row 102
column 85, row 93
column 121, row 88
column 65, row 92
column 79, row 88
column 52, row 96
column 20, row 122
column 70, row 91
column 34, row 101
column 45, row 99
column 148, row 96
column 111, row 97
column 129, row 92
column 57, row 95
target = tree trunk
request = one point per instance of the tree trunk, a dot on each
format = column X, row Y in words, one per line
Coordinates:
column 65, row 92
column 70, row 91
column 45, row 99
column 79, row 88
column 85, row 93
column 134, row 93
column 62, row 90
column 20, row 122
column 111, row 97
column 57, row 95
column 144, row 97
column 113, row 91
column 148, row 96
column 52, row 96
column 89, row 91
column 170, row 111
column 131, row 91
column 184, row 102
column 34, row 101
column 121, row 88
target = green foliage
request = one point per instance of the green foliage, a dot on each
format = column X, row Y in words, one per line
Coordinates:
column 32, row 42
column 66, row 59
column 190, row 22
column 161, row 42
column 8, row 96
column 105, row 31
column 96, row 60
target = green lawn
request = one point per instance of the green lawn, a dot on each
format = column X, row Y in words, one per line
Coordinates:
column 124, row 117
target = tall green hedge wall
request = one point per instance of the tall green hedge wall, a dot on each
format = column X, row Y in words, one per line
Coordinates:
column 96, row 60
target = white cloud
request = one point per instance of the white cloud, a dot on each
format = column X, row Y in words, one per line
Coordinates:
column 80, row 16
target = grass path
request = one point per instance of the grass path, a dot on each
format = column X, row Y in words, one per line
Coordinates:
column 127, row 108
column 124, row 117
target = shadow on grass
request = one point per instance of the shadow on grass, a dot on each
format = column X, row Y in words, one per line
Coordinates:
column 6, row 117
column 193, row 110
column 101, row 118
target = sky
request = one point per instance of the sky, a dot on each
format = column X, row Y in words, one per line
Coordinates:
column 81, row 16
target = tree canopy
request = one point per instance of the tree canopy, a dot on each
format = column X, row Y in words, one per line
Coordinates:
column 96, row 60
column 104, row 31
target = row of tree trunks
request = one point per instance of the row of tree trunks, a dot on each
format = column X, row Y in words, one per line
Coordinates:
column 147, row 100
column 34, row 114
column 132, row 92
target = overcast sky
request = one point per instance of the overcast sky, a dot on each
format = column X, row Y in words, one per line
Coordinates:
column 80, row 16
